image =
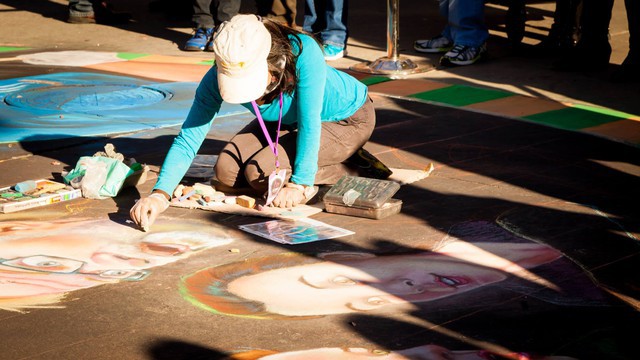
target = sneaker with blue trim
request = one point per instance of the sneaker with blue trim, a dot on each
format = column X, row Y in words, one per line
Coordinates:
column 332, row 52
column 438, row 44
column 463, row 55
column 199, row 40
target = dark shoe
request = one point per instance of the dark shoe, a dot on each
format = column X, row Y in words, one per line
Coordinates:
column 200, row 39
column 368, row 165
column 557, row 43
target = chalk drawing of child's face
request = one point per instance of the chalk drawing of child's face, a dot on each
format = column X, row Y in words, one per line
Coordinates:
column 346, row 282
column 40, row 258
column 362, row 284
column 425, row 352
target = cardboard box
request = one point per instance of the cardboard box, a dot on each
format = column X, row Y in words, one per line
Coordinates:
column 11, row 201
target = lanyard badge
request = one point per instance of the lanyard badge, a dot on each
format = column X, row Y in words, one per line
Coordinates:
column 278, row 176
column 276, row 183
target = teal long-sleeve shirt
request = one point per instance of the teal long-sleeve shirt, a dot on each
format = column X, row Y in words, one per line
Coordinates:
column 322, row 94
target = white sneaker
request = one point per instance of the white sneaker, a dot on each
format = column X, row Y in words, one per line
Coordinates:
column 463, row 55
column 438, row 44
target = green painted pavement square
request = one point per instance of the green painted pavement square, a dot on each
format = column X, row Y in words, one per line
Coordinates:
column 372, row 80
column 11, row 48
column 130, row 56
column 461, row 95
column 574, row 118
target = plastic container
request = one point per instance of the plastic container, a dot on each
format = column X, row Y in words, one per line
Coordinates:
column 361, row 192
column 389, row 208
column 363, row 197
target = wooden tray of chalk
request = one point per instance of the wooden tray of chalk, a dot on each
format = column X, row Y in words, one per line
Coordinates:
column 205, row 197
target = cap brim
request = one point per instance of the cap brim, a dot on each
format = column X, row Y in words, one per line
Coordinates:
column 251, row 86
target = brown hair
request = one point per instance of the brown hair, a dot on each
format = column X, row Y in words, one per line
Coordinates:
column 283, row 50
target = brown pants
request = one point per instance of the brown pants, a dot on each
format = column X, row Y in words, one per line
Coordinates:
column 248, row 160
column 282, row 11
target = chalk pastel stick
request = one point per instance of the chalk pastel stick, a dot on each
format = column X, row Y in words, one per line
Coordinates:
column 246, row 201
column 187, row 195
column 48, row 187
column 25, row 186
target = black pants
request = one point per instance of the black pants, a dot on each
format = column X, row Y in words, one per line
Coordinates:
column 204, row 10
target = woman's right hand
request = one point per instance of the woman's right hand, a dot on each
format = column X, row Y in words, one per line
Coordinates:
column 147, row 209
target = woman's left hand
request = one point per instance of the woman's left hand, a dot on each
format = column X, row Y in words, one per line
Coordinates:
column 289, row 197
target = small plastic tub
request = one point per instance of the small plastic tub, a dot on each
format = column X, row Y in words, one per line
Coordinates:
column 391, row 207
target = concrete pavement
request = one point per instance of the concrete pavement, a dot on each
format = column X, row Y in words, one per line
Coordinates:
column 523, row 241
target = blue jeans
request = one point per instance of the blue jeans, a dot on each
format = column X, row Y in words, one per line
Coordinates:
column 465, row 22
column 332, row 26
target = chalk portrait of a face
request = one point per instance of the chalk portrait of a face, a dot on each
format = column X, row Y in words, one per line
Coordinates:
column 424, row 352
column 294, row 285
column 42, row 261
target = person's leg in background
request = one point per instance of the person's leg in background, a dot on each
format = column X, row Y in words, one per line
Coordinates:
column 334, row 36
column 203, row 24
column 593, row 51
column 463, row 38
column 440, row 43
column 465, row 19
column 92, row 12
column 283, row 11
column 564, row 32
column 311, row 23
column 329, row 19
column 225, row 10
column 629, row 71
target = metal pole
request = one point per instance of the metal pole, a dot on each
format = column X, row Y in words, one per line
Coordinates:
column 393, row 21
column 393, row 64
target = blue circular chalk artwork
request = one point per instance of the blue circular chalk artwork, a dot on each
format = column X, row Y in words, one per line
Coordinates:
column 63, row 105
column 87, row 98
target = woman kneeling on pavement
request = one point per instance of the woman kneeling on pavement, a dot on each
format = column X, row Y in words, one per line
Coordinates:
column 310, row 117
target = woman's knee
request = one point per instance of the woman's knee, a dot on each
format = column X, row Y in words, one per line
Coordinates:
column 227, row 170
column 255, row 176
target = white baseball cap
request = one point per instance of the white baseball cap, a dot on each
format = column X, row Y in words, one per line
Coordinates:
column 241, row 47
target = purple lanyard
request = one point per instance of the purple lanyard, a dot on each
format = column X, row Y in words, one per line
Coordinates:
column 274, row 147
